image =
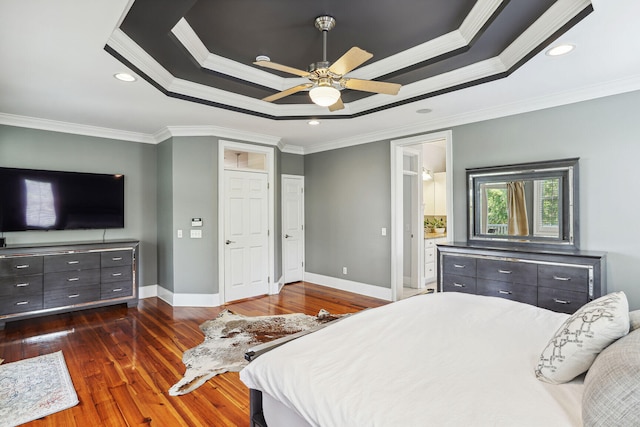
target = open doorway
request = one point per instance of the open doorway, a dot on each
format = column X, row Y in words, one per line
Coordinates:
column 417, row 225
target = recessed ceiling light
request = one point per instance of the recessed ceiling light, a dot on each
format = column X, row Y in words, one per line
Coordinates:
column 424, row 111
column 262, row 58
column 314, row 122
column 125, row 77
column 561, row 49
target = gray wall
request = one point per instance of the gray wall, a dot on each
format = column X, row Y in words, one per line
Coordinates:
column 292, row 164
column 165, row 213
column 604, row 134
column 347, row 196
column 195, row 195
column 188, row 188
column 37, row 149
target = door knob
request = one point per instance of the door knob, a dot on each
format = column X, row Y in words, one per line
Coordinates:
column 229, row 241
column 286, row 236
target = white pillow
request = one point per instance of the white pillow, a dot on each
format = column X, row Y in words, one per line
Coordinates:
column 575, row 345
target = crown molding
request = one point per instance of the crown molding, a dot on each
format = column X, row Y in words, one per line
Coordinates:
column 586, row 93
column 600, row 90
column 220, row 132
column 291, row 149
column 74, row 128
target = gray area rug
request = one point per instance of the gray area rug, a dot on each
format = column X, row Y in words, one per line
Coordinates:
column 230, row 335
column 34, row 388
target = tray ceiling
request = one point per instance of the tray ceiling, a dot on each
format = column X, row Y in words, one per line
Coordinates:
column 202, row 50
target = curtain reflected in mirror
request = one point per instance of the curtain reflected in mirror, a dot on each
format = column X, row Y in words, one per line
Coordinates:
column 529, row 207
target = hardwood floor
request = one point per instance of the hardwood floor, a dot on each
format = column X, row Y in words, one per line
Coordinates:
column 122, row 361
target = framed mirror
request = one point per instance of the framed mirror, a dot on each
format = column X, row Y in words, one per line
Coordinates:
column 524, row 204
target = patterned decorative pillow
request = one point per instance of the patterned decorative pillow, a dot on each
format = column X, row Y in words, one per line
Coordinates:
column 575, row 345
column 634, row 320
column 612, row 385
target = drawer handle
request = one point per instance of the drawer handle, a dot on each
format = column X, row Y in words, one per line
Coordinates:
column 73, row 279
column 73, row 262
column 116, row 274
column 459, row 285
column 564, row 279
column 116, row 258
column 459, row 265
column 22, row 303
column 117, row 289
column 561, row 301
column 74, row 296
column 504, row 271
column 21, row 285
column 504, row 292
column 22, row 266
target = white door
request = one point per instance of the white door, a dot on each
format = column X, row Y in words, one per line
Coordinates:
column 292, row 228
column 246, row 255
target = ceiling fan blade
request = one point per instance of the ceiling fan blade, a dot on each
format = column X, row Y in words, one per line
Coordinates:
column 350, row 60
column 287, row 92
column 371, row 86
column 279, row 67
column 337, row 106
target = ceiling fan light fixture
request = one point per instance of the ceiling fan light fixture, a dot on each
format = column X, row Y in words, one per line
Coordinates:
column 324, row 95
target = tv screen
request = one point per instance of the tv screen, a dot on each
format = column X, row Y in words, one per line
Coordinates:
column 55, row 200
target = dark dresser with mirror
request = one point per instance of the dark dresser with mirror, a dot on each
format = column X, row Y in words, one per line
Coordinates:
column 523, row 239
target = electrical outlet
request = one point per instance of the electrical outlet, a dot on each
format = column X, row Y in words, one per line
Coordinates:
column 344, row 270
column 179, row 234
column 384, row 231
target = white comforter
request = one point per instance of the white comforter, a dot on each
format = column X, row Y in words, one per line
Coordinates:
column 446, row 359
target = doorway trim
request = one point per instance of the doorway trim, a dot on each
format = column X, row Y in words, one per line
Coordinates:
column 270, row 169
column 397, row 146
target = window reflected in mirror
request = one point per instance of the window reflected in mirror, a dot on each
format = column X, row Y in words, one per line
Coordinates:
column 521, row 208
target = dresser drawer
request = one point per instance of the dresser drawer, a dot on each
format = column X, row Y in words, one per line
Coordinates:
column 65, row 279
column 21, row 285
column 461, row 266
column 561, row 300
column 508, row 271
column 115, row 274
column 515, row 292
column 455, row 283
column 564, row 277
column 20, row 304
column 19, row 266
column 116, row 258
column 116, row 290
column 76, row 294
column 68, row 262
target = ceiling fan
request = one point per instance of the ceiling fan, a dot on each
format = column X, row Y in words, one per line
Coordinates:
column 327, row 79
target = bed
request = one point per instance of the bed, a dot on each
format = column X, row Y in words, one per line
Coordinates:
column 445, row 359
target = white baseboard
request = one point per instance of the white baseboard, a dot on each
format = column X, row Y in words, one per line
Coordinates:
column 148, row 291
column 180, row 300
column 276, row 286
column 349, row 286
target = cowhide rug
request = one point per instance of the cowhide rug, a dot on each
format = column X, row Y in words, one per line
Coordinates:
column 230, row 335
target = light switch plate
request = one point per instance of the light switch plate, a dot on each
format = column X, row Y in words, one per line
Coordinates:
column 196, row 234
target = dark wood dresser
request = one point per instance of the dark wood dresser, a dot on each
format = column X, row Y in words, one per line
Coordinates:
column 56, row 278
column 561, row 281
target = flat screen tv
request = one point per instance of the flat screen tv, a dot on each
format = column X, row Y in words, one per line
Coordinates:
column 55, row 200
